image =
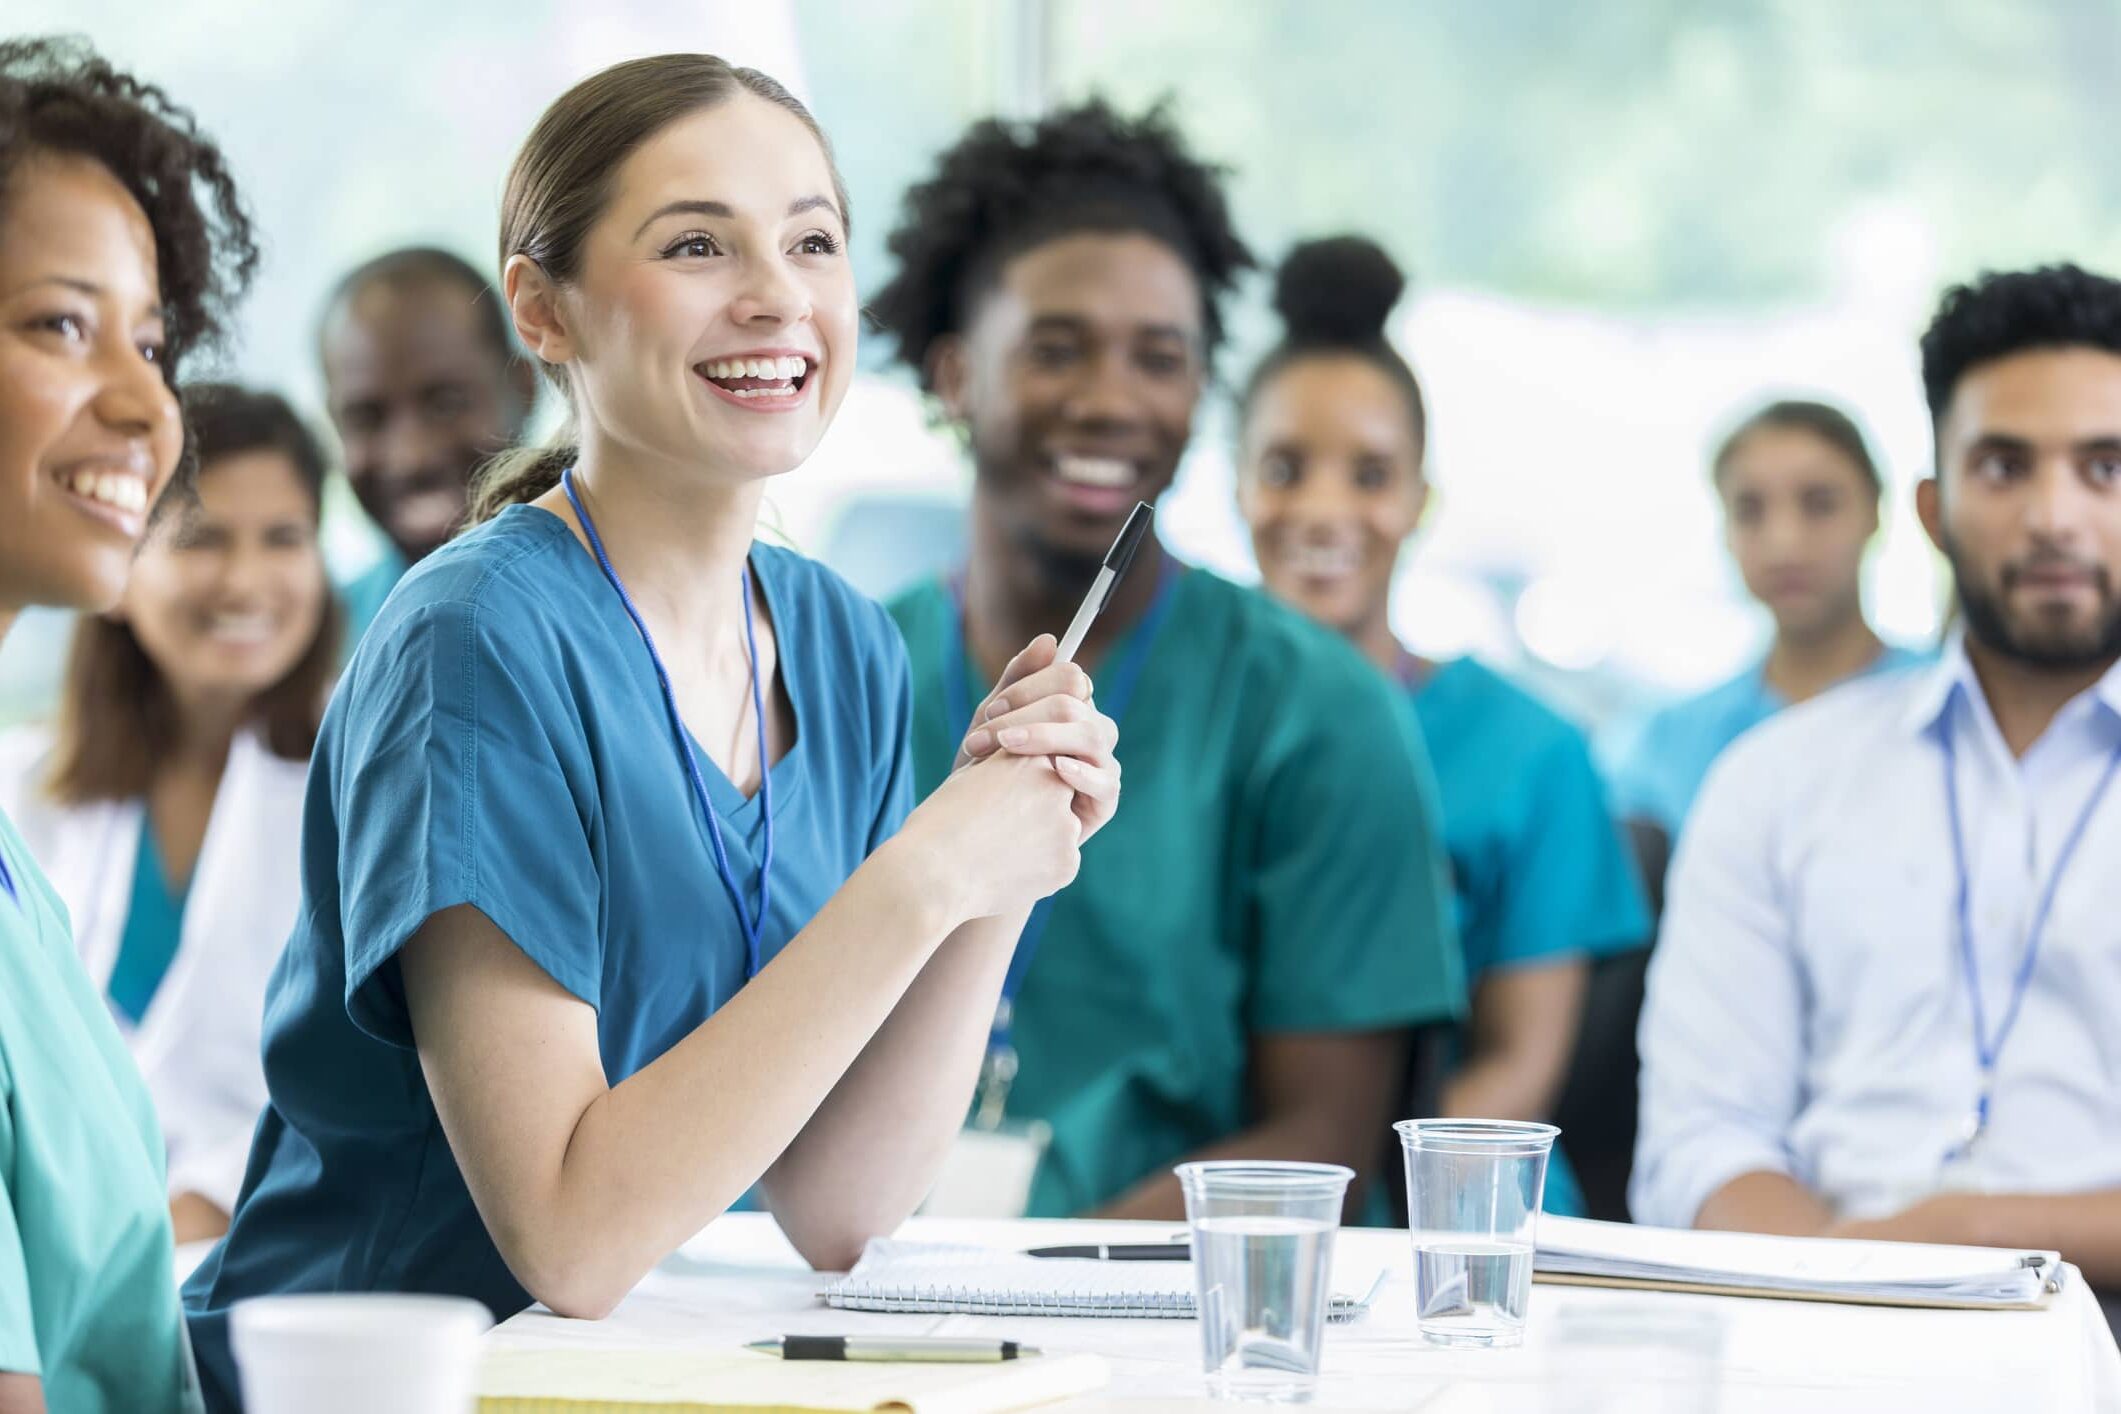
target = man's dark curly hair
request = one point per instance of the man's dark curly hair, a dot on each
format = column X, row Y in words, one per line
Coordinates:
column 59, row 97
column 1006, row 187
column 2008, row 312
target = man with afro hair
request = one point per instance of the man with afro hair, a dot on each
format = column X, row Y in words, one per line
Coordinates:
column 1236, row 970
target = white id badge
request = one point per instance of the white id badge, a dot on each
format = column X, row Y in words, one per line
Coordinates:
column 988, row 1172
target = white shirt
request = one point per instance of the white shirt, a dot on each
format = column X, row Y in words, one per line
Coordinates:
column 1807, row 1010
column 198, row 1043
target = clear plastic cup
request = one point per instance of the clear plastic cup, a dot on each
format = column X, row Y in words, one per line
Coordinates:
column 1473, row 1191
column 1262, row 1256
column 352, row 1354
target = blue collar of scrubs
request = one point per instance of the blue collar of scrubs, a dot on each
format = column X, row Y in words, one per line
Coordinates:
column 749, row 923
column 1115, row 690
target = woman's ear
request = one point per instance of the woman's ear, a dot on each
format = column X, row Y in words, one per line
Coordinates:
column 534, row 307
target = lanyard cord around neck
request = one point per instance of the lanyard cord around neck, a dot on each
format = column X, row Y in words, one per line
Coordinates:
column 1988, row 1048
column 750, row 924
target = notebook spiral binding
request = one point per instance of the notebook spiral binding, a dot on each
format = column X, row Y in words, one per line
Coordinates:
column 925, row 1299
column 929, row 1299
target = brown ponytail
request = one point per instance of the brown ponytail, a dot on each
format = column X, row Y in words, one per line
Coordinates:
column 518, row 475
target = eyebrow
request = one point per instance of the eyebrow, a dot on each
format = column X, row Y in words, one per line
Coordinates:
column 722, row 210
column 1077, row 324
column 71, row 282
column 2011, row 442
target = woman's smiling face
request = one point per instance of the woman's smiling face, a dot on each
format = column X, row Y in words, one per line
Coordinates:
column 713, row 321
column 89, row 429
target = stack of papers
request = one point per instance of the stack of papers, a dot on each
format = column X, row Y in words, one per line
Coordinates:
column 946, row 1277
column 1797, row 1268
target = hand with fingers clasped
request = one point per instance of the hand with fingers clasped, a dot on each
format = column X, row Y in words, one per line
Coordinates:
column 1034, row 779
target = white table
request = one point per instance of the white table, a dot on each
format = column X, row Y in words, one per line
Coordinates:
column 1586, row 1349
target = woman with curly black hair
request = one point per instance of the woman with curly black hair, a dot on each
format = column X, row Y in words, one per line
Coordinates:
column 1237, row 966
column 122, row 244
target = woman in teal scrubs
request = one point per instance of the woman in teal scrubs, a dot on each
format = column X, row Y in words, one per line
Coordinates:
column 1800, row 497
column 122, row 245
column 1239, row 968
column 1331, row 483
column 615, row 899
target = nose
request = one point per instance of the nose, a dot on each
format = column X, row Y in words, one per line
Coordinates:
column 407, row 445
column 770, row 295
column 1104, row 393
column 134, row 400
column 1784, row 536
column 2056, row 506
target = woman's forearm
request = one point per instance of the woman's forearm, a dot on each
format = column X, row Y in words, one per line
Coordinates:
column 585, row 1188
column 893, row 1116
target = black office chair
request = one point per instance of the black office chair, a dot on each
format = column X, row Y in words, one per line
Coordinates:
column 1597, row 1110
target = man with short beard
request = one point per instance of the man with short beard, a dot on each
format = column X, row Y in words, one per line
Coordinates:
column 1886, row 996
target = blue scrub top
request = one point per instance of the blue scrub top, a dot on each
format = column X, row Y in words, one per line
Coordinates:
column 154, row 925
column 1659, row 776
column 499, row 741
column 1538, row 866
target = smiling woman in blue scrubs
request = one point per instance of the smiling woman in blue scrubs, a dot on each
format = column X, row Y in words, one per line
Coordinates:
column 613, row 903
column 1800, row 508
column 1331, row 482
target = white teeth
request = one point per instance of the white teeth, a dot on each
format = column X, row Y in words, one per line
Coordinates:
column 249, row 628
column 1095, row 471
column 1325, row 561
column 114, row 489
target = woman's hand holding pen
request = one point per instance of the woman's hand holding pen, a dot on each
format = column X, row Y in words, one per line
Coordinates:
column 1043, row 708
column 1032, row 781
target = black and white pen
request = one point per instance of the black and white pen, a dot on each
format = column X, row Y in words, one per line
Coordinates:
column 1116, row 561
column 914, row 1350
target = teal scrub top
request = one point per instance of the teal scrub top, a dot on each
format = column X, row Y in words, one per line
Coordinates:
column 500, row 740
column 1660, row 775
column 1274, row 866
column 154, row 924
column 364, row 594
column 88, row 1300
column 1539, row 869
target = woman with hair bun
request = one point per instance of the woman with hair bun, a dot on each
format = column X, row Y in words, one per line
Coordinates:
column 1331, row 483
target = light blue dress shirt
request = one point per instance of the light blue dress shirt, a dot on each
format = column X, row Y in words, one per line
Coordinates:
column 1661, row 774
column 1807, row 1010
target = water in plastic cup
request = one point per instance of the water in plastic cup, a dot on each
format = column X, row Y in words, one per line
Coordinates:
column 1262, row 1257
column 1473, row 1191
column 330, row 1354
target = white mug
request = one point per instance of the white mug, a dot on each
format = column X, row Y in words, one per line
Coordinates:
column 352, row 1354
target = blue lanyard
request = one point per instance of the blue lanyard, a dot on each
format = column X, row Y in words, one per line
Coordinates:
column 7, row 880
column 1986, row 1047
column 1115, row 690
column 750, row 925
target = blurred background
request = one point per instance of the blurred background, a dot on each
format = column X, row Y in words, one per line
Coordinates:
column 1626, row 223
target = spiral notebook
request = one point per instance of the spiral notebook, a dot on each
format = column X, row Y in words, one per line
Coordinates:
column 984, row 1281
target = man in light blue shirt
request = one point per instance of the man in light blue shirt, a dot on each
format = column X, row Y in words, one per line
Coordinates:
column 1885, row 999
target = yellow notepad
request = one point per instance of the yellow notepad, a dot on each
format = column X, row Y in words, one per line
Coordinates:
column 594, row 1381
